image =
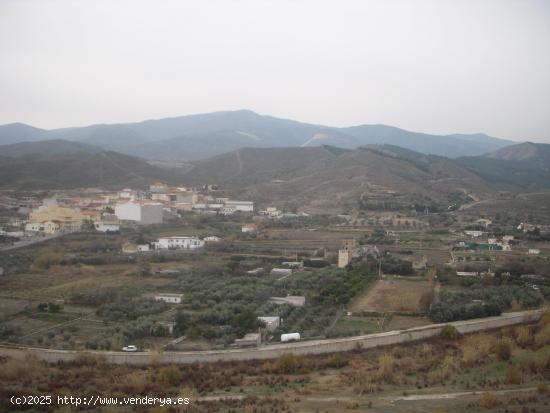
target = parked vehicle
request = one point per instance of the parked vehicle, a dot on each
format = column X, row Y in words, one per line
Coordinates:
column 290, row 337
column 130, row 348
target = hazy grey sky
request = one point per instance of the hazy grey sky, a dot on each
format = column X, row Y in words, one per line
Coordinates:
column 437, row 66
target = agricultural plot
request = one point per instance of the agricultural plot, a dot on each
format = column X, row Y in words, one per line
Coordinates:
column 393, row 295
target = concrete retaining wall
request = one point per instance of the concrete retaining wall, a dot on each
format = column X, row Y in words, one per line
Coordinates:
column 274, row 351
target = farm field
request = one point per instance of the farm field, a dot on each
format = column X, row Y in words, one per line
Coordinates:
column 393, row 294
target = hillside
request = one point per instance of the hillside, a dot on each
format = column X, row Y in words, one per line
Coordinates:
column 330, row 178
column 19, row 132
column 201, row 136
column 525, row 166
column 52, row 147
column 78, row 169
column 522, row 151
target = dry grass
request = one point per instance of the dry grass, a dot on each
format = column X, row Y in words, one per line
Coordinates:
column 476, row 348
column 393, row 295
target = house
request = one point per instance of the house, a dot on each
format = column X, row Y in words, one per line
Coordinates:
column 126, row 193
column 474, row 233
column 169, row 298
column 161, row 197
column 172, row 243
column 533, row 251
column 281, row 271
column 507, row 238
column 293, row 300
column 344, row 258
column 144, row 213
column 34, row 227
column 143, row 248
column 348, row 251
column 249, row 228
column 101, row 226
column 294, row 264
column 467, row 274
column 271, row 323
column 271, row 212
column 525, row 227
column 65, row 219
column 240, row 206
column 227, row 211
column 249, row 340
column 484, row 222
column 51, row 227
column 158, row 188
column 212, row 238
column 492, row 241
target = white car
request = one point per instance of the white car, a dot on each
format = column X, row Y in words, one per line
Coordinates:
column 536, row 287
column 130, row 349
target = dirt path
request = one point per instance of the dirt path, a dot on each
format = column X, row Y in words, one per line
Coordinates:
column 442, row 396
column 391, row 399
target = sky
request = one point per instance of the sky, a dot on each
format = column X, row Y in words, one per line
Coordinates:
column 435, row 66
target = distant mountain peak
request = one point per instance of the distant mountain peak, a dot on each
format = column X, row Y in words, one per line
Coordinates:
column 199, row 136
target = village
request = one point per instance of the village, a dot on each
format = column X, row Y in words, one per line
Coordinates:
column 211, row 271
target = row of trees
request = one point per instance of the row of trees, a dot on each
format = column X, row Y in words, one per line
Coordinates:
column 481, row 301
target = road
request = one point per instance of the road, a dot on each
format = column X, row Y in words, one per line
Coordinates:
column 272, row 351
column 26, row 243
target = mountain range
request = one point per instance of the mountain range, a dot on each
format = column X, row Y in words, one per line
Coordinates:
column 304, row 172
column 201, row 136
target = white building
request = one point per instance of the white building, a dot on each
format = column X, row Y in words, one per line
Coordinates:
column 293, row 300
column 212, row 238
column 241, row 206
column 533, row 251
column 143, row 247
column 474, row 233
column 467, row 273
column 294, row 264
column 272, row 212
column 126, row 193
column 169, row 298
column 34, row 227
column 158, row 188
column 281, row 271
column 249, row 228
column 173, row 243
column 140, row 212
column 271, row 323
column 227, row 210
column 106, row 226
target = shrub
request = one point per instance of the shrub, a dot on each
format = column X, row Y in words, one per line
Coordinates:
column 449, row 332
column 488, row 401
column 503, row 349
column 523, row 336
column 386, row 367
column 170, row 376
column 513, row 375
column 47, row 259
column 475, row 348
column 287, row 363
column 542, row 337
column 89, row 359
